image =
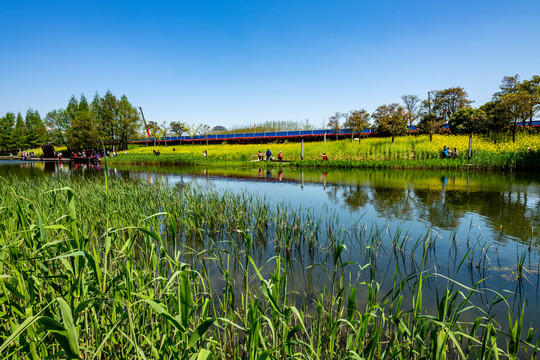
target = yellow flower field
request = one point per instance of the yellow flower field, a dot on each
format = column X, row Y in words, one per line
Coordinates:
column 403, row 148
column 496, row 152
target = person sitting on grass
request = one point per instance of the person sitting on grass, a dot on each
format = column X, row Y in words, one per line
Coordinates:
column 445, row 153
column 455, row 153
column 324, row 157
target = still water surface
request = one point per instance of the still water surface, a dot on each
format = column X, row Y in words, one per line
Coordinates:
column 491, row 218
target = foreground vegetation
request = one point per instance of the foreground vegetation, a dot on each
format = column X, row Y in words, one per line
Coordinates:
column 118, row 270
column 405, row 152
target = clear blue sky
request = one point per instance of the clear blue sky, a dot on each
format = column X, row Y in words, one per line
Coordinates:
column 239, row 62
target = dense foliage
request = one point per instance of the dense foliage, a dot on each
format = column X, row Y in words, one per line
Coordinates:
column 80, row 125
column 17, row 132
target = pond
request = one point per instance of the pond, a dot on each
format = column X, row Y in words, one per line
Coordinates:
column 489, row 219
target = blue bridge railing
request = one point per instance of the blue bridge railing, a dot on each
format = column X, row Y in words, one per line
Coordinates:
column 255, row 135
column 273, row 134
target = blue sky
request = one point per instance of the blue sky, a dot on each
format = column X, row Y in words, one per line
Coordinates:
column 239, row 62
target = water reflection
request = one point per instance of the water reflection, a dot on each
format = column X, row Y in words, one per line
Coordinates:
column 513, row 208
column 502, row 203
column 507, row 203
column 356, row 196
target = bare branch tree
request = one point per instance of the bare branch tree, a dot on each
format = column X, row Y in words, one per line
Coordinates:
column 333, row 123
column 411, row 105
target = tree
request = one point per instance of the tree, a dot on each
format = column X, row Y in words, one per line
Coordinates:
column 496, row 117
column 192, row 131
column 116, row 120
column 73, row 108
column 58, row 124
column 529, row 95
column 107, row 118
column 532, row 106
column 154, row 129
column 512, row 104
column 6, row 130
column 446, row 102
column 36, row 133
column 469, row 121
column 178, row 128
column 74, row 126
column 390, row 120
column 205, row 130
column 163, row 132
column 430, row 124
column 83, row 104
column 19, row 133
column 128, row 122
column 333, row 123
column 307, row 126
column 412, row 106
column 82, row 133
column 508, row 85
column 515, row 105
column 357, row 121
column 425, row 107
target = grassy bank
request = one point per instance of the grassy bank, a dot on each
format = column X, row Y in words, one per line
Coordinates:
column 405, row 152
column 118, row 270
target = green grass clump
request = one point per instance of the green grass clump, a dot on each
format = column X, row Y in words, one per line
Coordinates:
column 122, row 270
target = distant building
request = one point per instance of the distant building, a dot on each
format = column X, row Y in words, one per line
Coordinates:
column 220, row 128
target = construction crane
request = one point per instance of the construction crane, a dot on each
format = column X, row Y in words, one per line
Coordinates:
column 146, row 127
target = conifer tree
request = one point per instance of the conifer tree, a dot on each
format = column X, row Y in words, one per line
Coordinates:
column 19, row 133
column 6, row 130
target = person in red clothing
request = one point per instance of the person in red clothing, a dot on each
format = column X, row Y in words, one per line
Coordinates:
column 324, row 157
column 280, row 156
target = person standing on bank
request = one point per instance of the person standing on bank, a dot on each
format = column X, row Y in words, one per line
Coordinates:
column 268, row 154
column 280, row 156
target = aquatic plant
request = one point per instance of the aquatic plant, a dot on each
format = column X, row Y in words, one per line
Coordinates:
column 107, row 269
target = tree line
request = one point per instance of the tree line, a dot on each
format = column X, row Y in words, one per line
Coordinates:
column 517, row 103
column 107, row 120
column 17, row 132
column 110, row 120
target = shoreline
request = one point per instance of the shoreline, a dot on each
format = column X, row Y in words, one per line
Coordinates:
column 462, row 164
column 35, row 159
column 375, row 153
